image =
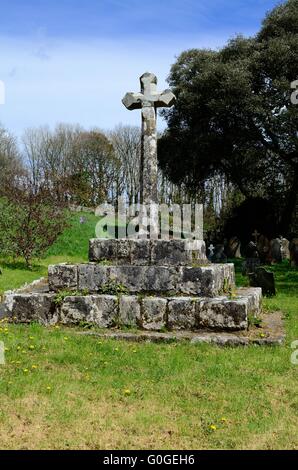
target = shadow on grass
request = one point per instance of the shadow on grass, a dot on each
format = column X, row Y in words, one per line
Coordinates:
column 19, row 265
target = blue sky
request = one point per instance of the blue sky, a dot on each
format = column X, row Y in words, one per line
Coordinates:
column 73, row 60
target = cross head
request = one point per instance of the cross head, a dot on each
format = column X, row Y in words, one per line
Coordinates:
column 149, row 96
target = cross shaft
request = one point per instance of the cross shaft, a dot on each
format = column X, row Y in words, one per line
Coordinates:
column 148, row 100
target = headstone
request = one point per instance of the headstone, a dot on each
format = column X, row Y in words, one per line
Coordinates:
column 219, row 255
column 265, row 280
column 285, row 248
column 211, row 251
column 275, row 250
column 252, row 261
column 234, row 248
column 263, row 247
column 251, row 250
column 256, row 235
column 294, row 252
column 148, row 100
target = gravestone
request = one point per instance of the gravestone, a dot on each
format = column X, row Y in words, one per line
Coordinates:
column 256, row 235
column 265, row 280
column 211, row 251
column 219, row 255
column 275, row 250
column 252, row 261
column 234, row 248
column 294, row 252
column 285, row 248
column 263, row 247
column 251, row 250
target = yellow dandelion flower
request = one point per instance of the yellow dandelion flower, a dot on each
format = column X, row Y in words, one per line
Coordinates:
column 116, row 349
column 6, row 349
column 262, row 335
column 65, row 338
column 18, row 348
column 213, row 427
column 25, row 370
column 99, row 342
column 127, row 392
column 223, row 419
column 31, row 337
column 31, row 346
column 134, row 351
column 57, row 327
column 49, row 388
column 34, row 366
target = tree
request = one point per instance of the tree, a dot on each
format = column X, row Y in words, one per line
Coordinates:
column 234, row 115
column 74, row 164
column 94, row 168
column 10, row 161
column 48, row 154
column 30, row 221
column 126, row 141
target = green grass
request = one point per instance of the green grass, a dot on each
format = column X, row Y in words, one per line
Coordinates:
column 90, row 394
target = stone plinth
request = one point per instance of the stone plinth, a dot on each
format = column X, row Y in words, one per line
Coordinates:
column 145, row 312
column 148, row 252
column 92, row 277
column 147, row 284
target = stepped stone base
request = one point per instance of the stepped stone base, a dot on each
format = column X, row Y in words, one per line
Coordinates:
column 148, row 252
column 148, row 313
column 272, row 333
column 207, row 281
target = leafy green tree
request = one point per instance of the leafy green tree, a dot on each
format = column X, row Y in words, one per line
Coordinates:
column 234, row 114
column 94, row 168
column 10, row 162
column 30, row 222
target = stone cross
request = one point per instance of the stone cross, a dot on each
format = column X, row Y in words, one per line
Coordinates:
column 211, row 250
column 148, row 100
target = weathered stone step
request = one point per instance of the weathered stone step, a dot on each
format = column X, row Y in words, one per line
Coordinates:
column 147, row 312
column 271, row 333
column 204, row 281
column 148, row 252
